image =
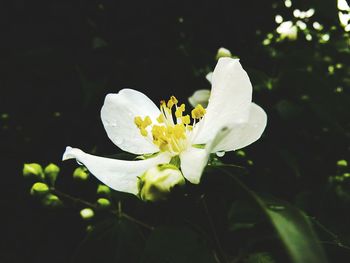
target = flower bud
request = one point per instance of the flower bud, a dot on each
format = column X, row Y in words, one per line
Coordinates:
column 200, row 97
column 33, row 169
column 287, row 30
column 103, row 202
column 223, row 52
column 342, row 163
column 156, row 183
column 103, row 189
column 87, row 213
column 81, row 174
column 51, row 200
column 39, row 189
column 51, row 171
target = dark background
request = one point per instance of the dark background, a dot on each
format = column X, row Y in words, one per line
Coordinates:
column 59, row 59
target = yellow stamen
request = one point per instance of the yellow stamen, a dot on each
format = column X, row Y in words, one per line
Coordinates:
column 186, row 119
column 143, row 124
column 198, row 112
column 167, row 134
column 172, row 101
column 179, row 111
column 160, row 118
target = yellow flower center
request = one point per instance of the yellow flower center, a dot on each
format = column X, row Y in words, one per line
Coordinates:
column 167, row 134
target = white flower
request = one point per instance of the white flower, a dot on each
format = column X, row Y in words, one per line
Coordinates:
column 287, row 30
column 136, row 125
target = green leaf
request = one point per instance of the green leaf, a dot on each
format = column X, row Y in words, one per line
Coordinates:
column 291, row 225
column 175, row 244
column 112, row 240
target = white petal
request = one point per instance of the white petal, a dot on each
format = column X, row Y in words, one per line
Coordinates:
column 209, row 76
column 194, row 160
column 117, row 174
column 229, row 101
column 244, row 134
column 118, row 113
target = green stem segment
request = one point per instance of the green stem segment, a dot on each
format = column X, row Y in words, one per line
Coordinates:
column 118, row 212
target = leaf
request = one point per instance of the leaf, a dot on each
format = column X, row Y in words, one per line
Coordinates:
column 112, row 240
column 176, row 244
column 291, row 225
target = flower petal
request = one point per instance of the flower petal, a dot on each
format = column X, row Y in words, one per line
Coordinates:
column 194, row 160
column 117, row 174
column 244, row 134
column 229, row 101
column 118, row 113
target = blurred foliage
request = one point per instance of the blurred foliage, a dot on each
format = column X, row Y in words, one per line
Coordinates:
column 59, row 61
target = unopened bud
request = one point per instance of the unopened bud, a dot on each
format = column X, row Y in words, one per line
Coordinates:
column 103, row 189
column 103, row 202
column 223, row 52
column 51, row 171
column 39, row 189
column 87, row 213
column 33, row 169
column 200, row 97
column 157, row 182
column 81, row 173
column 342, row 163
column 51, row 200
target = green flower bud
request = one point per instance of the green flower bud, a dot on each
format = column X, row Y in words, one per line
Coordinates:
column 103, row 189
column 156, row 183
column 39, row 189
column 87, row 213
column 51, row 171
column 51, row 200
column 103, row 202
column 81, row 173
column 342, row 163
column 223, row 52
column 240, row 153
column 33, row 169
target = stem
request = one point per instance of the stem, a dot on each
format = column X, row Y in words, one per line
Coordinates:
column 214, row 233
column 118, row 212
column 136, row 221
column 336, row 240
column 73, row 199
column 227, row 165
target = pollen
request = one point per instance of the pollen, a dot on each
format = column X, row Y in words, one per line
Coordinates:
column 179, row 111
column 198, row 112
column 167, row 134
column 142, row 124
column 172, row 101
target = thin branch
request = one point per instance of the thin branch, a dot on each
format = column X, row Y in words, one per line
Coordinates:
column 336, row 239
column 117, row 213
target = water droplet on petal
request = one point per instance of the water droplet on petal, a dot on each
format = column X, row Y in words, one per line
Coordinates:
column 276, row 207
column 220, row 154
column 119, row 141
